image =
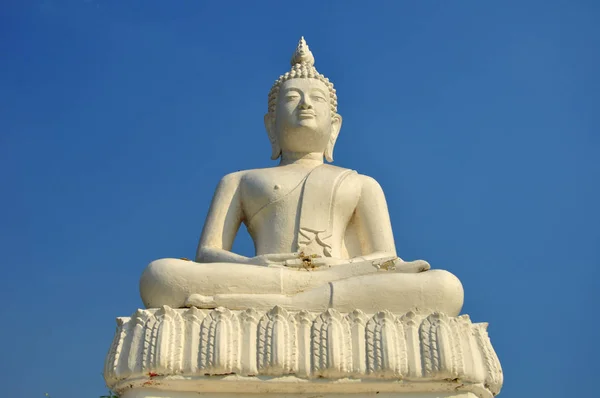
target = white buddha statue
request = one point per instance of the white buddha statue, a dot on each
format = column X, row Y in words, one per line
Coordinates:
column 322, row 233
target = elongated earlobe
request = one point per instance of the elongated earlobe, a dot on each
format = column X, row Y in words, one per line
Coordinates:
column 275, row 148
column 336, row 125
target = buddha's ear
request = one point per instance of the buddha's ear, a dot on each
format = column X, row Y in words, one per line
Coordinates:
column 270, row 126
column 336, row 125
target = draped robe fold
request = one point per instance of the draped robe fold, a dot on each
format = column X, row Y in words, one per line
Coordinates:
column 316, row 198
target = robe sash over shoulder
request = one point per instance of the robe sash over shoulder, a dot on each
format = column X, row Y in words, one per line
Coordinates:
column 318, row 197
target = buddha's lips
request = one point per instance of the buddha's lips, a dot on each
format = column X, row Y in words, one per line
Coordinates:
column 306, row 114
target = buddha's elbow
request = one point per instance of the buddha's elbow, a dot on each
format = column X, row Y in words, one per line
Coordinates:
column 204, row 254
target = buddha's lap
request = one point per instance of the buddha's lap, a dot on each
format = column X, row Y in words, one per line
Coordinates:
column 215, row 278
column 172, row 281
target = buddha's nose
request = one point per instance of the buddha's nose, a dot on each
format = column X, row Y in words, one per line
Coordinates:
column 305, row 104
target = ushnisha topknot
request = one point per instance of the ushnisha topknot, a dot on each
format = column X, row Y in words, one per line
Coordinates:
column 303, row 66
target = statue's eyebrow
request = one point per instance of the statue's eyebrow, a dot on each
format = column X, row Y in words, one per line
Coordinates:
column 319, row 90
column 287, row 90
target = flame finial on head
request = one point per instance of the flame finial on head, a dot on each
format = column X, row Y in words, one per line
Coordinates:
column 302, row 54
column 303, row 66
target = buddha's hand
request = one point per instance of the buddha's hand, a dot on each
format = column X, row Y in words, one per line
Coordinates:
column 266, row 260
column 312, row 262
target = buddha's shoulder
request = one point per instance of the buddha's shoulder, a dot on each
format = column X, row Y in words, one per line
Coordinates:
column 367, row 181
column 233, row 178
column 357, row 180
column 363, row 183
column 239, row 177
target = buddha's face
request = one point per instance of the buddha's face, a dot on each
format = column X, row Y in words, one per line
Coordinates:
column 303, row 120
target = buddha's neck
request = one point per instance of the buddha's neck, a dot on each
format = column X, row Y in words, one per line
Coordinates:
column 304, row 158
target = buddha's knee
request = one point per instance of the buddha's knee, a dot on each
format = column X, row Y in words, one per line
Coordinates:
column 445, row 291
column 162, row 284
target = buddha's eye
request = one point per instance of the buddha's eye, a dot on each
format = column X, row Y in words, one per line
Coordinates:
column 318, row 98
column 291, row 97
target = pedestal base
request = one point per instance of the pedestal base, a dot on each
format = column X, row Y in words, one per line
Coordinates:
column 149, row 393
column 292, row 387
column 221, row 353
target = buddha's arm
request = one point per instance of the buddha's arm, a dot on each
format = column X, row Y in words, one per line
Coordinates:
column 222, row 223
column 372, row 221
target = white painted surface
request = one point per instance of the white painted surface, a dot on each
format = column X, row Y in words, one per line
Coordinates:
column 322, row 233
column 324, row 308
column 150, row 393
column 293, row 351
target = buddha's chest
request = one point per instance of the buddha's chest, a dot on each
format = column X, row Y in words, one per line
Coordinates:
column 260, row 192
column 278, row 195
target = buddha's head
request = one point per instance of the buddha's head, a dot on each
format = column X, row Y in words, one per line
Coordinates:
column 302, row 114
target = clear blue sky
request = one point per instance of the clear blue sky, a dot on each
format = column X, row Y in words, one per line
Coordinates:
column 481, row 120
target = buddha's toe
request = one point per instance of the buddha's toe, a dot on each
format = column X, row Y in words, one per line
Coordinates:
column 200, row 301
column 411, row 266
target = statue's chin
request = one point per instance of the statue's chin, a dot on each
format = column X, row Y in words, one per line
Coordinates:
column 312, row 125
column 304, row 140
